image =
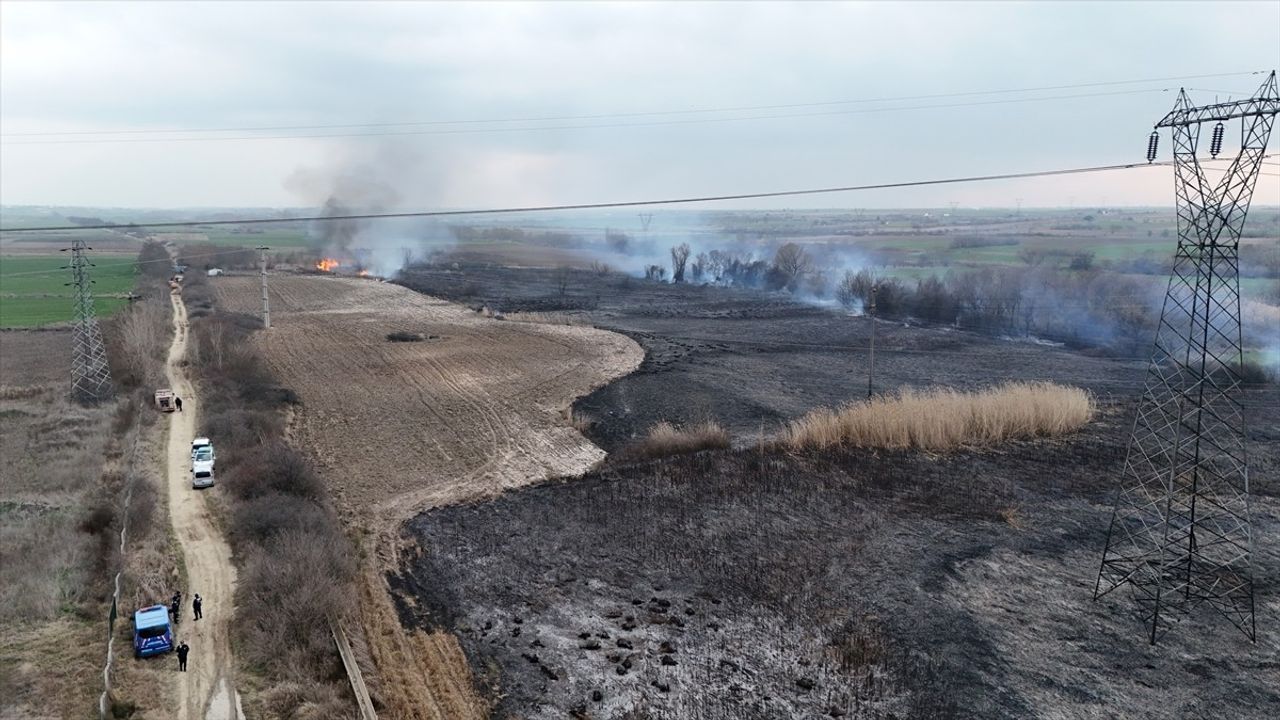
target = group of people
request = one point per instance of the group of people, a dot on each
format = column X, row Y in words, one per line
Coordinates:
column 175, row 608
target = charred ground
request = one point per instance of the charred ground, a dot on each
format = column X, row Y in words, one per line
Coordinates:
column 744, row 584
column 749, row 359
column 762, row 584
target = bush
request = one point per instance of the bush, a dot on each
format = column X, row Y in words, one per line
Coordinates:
column 259, row 519
column 944, row 419
column 287, row 590
column 296, row 566
column 666, row 439
column 273, row 468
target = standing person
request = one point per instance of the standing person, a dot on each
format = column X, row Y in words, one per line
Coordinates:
column 182, row 656
column 175, row 607
column 177, row 402
column 195, row 606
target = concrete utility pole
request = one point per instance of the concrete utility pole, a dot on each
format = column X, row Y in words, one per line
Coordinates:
column 871, row 355
column 266, row 305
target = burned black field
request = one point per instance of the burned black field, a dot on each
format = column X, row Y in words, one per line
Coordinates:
column 753, row 583
column 751, row 360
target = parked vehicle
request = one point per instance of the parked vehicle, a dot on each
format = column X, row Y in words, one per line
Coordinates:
column 164, row 400
column 198, row 443
column 152, row 632
column 202, row 474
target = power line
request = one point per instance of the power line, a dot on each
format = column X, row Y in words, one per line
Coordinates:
column 598, row 206
column 599, row 116
column 536, row 128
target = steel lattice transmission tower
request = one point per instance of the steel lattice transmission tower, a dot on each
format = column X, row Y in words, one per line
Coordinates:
column 90, row 376
column 1180, row 533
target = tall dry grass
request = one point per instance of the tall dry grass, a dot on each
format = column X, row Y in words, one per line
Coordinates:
column 938, row 419
column 666, row 439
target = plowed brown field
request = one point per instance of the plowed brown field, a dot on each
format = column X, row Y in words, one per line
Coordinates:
column 397, row 427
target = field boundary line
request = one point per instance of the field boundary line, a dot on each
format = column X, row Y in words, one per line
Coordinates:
column 354, row 675
column 115, row 595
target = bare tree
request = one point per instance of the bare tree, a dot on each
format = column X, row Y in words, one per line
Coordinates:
column 717, row 263
column 849, row 291
column 699, row 267
column 562, row 278
column 793, row 262
column 655, row 272
column 679, row 258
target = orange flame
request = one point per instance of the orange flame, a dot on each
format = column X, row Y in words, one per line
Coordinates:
column 327, row 265
column 363, row 273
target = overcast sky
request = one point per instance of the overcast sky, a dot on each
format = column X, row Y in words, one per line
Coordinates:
column 162, row 66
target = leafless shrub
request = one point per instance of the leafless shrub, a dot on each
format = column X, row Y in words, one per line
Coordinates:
column 679, row 258
column 940, row 419
column 137, row 340
column 562, row 276
column 600, row 268
column 288, row 587
column 302, row 701
column 259, row 519
column 666, row 439
column 273, row 468
column 296, row 565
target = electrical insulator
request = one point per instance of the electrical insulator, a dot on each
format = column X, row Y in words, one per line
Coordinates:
column 1152, row 143
column 1215, row 144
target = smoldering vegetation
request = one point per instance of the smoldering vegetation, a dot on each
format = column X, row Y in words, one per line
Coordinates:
column 842, row 583
column 1062, row 277
column 296, row 567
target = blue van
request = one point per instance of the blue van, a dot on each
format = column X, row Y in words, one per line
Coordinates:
column 152, row 634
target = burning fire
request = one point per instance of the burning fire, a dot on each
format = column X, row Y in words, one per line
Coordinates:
column 363, row 273
column 327, row 265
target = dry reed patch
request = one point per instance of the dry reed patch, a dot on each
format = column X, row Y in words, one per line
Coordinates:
column 666, row 439
column 548, row 318
column 938, row 419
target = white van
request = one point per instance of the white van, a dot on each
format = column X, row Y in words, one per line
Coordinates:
column 202, row 475
column 198, row 443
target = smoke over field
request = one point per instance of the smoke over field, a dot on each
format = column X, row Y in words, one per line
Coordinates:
column 379, row 180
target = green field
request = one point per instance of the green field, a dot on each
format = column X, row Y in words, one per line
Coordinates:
column 272, row 237
column 18, row 312
column 34, row 291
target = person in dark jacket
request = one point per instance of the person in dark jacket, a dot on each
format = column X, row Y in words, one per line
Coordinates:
column 183, row 649
column 177, row 402
column 195, row 606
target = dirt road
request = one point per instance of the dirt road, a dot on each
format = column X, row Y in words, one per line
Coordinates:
column 475, row 407
column 206, row 691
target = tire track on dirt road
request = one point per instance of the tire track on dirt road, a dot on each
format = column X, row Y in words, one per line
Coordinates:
column 207, row 690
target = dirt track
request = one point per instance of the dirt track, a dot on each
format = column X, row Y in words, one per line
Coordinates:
column 476, row 408
column 207, row 690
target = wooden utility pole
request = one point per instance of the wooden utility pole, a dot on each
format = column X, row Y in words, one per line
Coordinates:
column 266, row 306
column 871, row 355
